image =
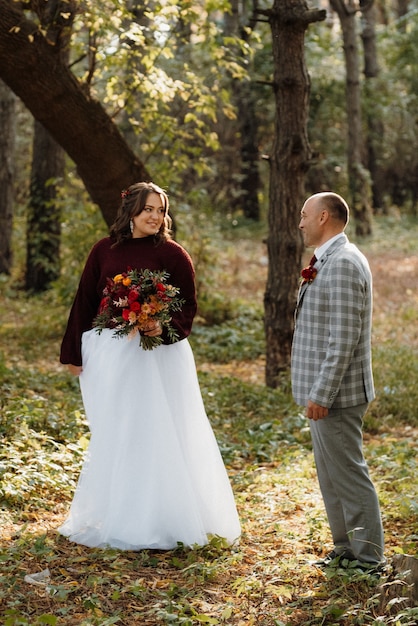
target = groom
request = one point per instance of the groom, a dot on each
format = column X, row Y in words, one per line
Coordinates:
column 332, row 378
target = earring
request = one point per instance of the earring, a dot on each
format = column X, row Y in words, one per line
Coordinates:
column 131, row 225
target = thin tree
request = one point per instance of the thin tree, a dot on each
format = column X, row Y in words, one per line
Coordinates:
column 237, row 23
column 43, row 233
column 289, row 161
column 375, row 128
column 7, row 144
column 358, row 175
column 402, row 8
column 48, row 165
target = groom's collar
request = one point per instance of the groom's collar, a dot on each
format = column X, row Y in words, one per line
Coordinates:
column 320, row 251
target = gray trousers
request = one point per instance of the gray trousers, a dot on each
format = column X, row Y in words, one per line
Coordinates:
column 349, row 495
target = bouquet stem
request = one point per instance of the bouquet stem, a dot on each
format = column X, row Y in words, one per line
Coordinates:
column 148, row 343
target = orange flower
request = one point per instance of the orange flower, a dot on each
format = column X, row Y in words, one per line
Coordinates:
column 142, row 319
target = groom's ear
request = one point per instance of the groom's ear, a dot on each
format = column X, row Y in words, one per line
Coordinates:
column 324, row 217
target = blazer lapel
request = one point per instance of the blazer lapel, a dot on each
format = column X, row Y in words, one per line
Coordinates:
column 319, row 265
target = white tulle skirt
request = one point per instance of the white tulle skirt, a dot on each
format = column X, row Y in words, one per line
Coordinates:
column 153, row 475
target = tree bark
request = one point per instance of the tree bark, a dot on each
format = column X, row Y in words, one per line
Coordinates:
column 43, row 221
column 358, row 175
column 238, row 24
column 48, row 165
column 32, row 68
column 7, row 144
column 402, row 584
column 401, row 8
column 289, row 162
column 375, row 127
column 250, row 157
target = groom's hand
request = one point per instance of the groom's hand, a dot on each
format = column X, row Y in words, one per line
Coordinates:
column 315, row 411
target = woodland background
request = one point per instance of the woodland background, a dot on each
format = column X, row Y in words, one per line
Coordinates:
column 211, row 100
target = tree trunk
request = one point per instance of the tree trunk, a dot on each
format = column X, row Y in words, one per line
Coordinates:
column 402, row 584
column 7, row 144
column 358, row 175
column 375, row 128
column 248, row 127
column 236, row 24
column 250, row 176
column 43, row 221
column 289, row 162
column 401, row 8
column 48, row 167
column 32, row 68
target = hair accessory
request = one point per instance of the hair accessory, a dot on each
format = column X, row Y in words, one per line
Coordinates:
column 124, row 193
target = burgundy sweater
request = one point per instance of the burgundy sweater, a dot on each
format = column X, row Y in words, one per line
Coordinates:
column 105, row 261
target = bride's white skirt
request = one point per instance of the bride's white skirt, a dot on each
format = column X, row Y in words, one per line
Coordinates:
column 153, row 474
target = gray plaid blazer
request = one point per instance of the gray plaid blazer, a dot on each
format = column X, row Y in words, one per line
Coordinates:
column 331, row 352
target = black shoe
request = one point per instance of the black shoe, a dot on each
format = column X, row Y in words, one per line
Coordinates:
column 335, row 559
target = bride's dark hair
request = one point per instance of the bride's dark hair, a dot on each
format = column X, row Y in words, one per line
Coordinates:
column 134, row 199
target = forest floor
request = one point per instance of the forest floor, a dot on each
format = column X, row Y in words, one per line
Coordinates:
column 266, row 579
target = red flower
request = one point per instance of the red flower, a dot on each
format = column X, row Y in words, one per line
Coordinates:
column 135, row 306
column 132, row 296
column 308, row 274
column 104, row 303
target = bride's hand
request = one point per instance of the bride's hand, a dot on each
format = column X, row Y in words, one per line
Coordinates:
column 154, row 331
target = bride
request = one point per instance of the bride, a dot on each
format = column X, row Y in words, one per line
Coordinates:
column 153, row 476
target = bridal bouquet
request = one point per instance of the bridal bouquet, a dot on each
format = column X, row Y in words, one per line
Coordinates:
column 134, row 301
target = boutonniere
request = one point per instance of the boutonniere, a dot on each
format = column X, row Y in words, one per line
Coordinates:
column 308, row 274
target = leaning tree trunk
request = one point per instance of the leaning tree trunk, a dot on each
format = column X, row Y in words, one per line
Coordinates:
column 358, row 175
column 32, row 68
column 7, row 141
column 289, row 162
